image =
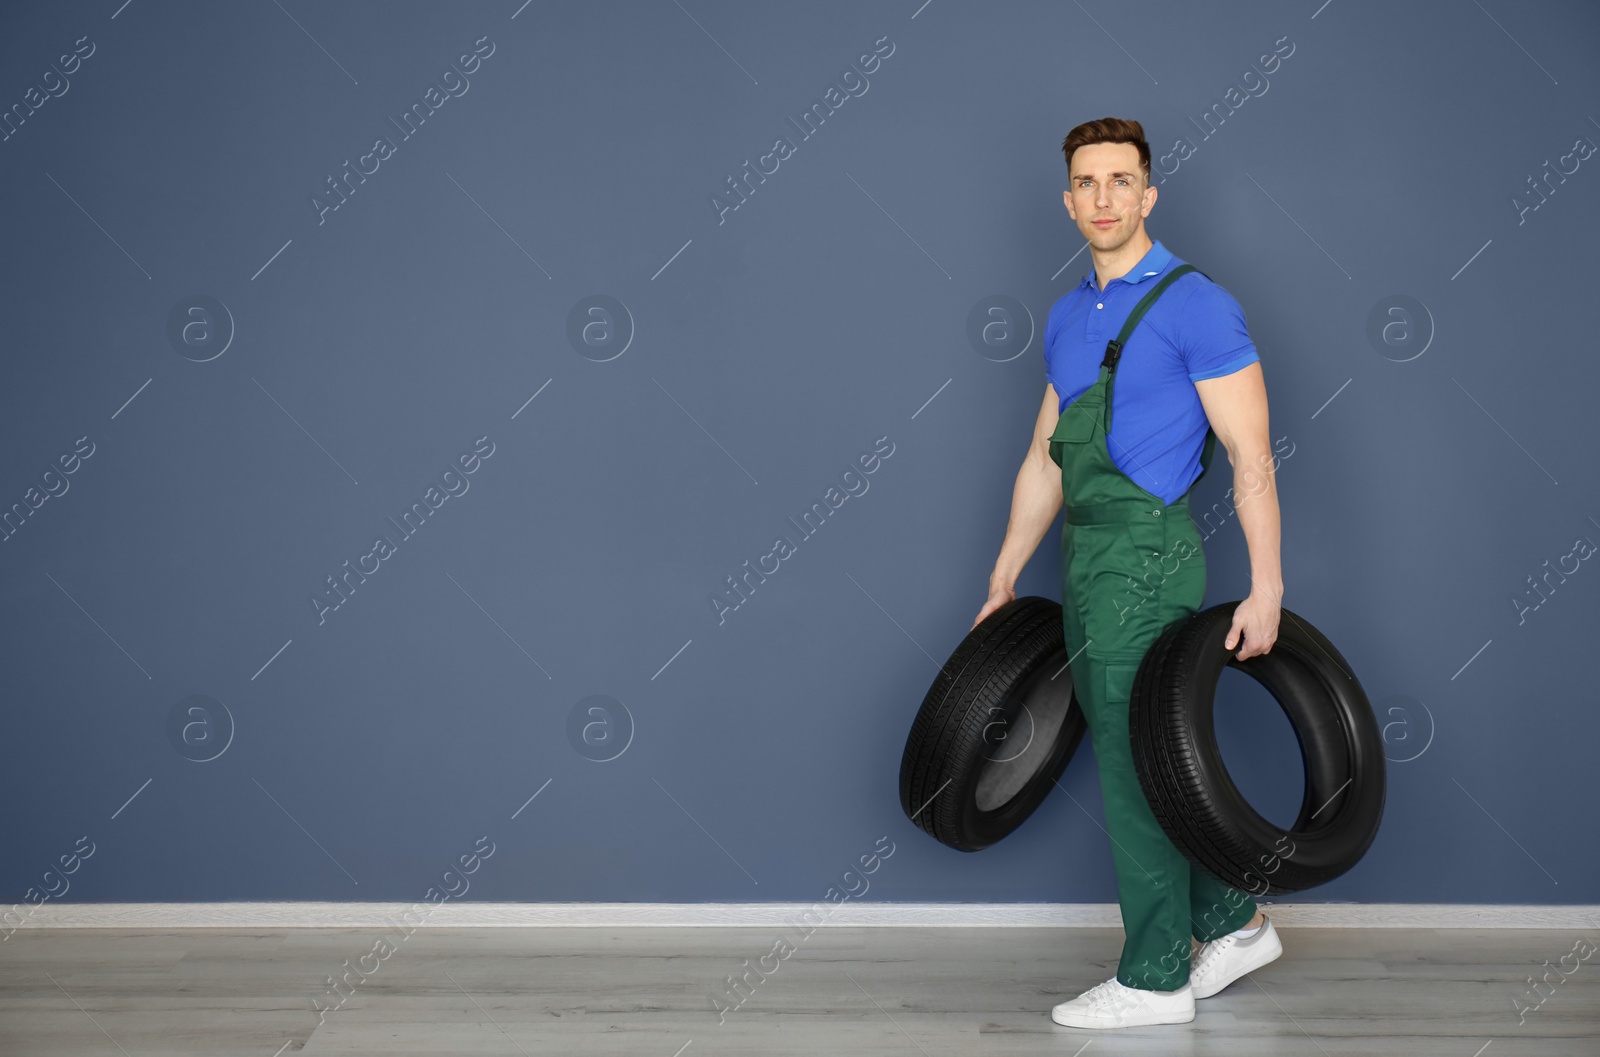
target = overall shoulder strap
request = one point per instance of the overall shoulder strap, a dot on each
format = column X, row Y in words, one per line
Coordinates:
column 1114, row 346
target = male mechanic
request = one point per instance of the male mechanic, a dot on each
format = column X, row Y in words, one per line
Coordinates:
column 1133, row 404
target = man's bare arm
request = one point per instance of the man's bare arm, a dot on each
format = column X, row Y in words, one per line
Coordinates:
column 1236, row 405
column 1035, row 501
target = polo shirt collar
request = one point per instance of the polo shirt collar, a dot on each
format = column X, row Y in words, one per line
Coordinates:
column 1154, row 261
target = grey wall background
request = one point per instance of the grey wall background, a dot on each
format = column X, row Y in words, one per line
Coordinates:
column 176, row 709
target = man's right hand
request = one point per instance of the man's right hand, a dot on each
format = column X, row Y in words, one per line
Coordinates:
column 998, row 596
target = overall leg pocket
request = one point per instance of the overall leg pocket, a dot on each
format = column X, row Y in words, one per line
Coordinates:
column 1120, row 586
column 1167, row 579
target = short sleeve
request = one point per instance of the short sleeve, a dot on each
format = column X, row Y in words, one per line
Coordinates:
column 1050, row 338
column 1214, row 341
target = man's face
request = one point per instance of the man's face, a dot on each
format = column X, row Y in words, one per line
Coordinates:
column 1108, row 196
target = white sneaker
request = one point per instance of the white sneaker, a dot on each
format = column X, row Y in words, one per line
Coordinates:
column 1225, row 959
column 1113, row 1004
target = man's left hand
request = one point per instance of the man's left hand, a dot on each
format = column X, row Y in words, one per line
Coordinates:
column 1257, row 617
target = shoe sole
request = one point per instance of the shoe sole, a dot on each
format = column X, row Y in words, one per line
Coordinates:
column 1177, row 1016
column 1140, row 1023
column 1263, row 953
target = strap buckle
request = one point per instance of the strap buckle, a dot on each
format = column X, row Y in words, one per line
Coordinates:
column 1113, row 353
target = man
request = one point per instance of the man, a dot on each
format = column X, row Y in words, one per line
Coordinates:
column 1131, row 431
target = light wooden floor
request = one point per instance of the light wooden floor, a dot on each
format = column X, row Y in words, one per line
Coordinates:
column 615, row 991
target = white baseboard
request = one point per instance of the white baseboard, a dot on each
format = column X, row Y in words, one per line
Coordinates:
column 767, row 915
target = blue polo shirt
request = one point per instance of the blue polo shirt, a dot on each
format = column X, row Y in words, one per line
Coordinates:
column 1194, row 331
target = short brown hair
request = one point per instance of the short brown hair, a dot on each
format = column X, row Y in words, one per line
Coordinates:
column 1108, row 130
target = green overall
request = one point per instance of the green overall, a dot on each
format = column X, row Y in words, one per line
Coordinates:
column 1131, row 565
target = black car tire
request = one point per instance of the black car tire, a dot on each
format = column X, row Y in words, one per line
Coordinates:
column 1180, row 768
column 996, row 728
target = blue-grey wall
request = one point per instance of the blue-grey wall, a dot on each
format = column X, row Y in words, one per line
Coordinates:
column 608, row 381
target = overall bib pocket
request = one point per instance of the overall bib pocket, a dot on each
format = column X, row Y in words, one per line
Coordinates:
column 1077, row 423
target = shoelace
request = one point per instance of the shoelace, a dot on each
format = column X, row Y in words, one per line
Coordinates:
column 1101, row 993
column 1212, row 952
